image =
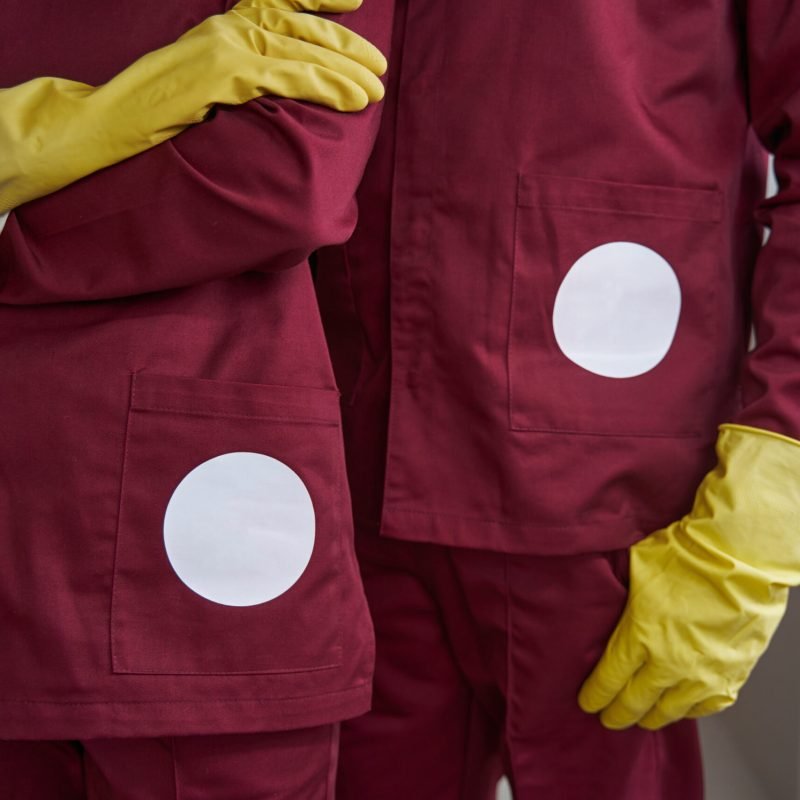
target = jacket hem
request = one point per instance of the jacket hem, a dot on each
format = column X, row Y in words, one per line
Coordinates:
column 514, row 538
column 46, row 719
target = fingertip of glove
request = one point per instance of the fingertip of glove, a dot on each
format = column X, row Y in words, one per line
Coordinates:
column 655, row 720
column 651, row 725
column 613, row 723
column 310, row 6
column 585, row 705
column 378, row 94
column 588, row 701
column 370, row 57
column 357, row 101
column 372, row 88
column 336, row 6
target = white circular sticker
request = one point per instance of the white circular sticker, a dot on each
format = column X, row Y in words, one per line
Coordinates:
column 239, row 529
column 617, row 310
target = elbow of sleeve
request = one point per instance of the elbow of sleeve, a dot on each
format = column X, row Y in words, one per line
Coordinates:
column 331, row 221
column 322, row 177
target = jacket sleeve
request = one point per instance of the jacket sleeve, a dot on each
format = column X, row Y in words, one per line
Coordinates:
column 771, row 378
column 258, row 187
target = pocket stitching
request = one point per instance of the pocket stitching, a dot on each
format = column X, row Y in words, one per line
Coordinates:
column 628, row 195
column 336, row 650
column 177, row 393
column 526, row 202
column 118, row 531
column 200, row 412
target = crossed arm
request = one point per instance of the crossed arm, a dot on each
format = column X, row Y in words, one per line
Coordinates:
column 258, row 186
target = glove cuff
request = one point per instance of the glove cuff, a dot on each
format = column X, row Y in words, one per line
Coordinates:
column 749, row 505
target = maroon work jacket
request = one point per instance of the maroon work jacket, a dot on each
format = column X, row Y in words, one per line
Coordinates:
column 154, row 317
column 542, row 168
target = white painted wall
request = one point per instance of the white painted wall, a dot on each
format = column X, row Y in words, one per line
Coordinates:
column 503, row 791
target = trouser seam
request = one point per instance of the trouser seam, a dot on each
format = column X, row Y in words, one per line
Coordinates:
column 333, row 761
column 174, row 767
column 509, row 704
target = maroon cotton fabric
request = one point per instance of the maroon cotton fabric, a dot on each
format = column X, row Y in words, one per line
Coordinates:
column 292, row 765
column 154, row 316
column 479, row 661
column 515, row 140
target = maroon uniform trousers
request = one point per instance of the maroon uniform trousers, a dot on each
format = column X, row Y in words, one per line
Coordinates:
column 292, row 765
column 479, row 656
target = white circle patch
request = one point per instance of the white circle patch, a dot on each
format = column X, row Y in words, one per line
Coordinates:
column 617, row 310
column 239, row 529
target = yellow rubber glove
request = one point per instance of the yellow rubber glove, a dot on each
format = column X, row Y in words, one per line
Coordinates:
column 55, row 131
column 706, row 593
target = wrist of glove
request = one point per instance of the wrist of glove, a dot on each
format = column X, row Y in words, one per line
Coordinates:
column 707, row 592
column 55, row 131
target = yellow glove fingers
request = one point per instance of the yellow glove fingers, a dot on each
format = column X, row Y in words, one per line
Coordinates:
column 293, row 51
column 708, row 591
column 54, row 132
column 315, row 30
column 639, row 697
column 318, row 6
column 713, row 705
column 675, row 704
column 622, row 659
column 320, row 85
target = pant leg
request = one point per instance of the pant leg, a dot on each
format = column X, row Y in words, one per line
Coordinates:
column 427, row 737
column 289, row 765
column 456, row 628
column 31, row 770
column 562, row 611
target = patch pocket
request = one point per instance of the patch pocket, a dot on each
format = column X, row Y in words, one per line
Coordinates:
column 613, row 314
column 229, row 541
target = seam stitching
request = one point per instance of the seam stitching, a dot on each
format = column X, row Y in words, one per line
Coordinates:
column 192, row 702
column 227, row 415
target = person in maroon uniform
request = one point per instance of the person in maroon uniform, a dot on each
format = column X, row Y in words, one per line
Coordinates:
column 180, row 609
column 537, row 327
